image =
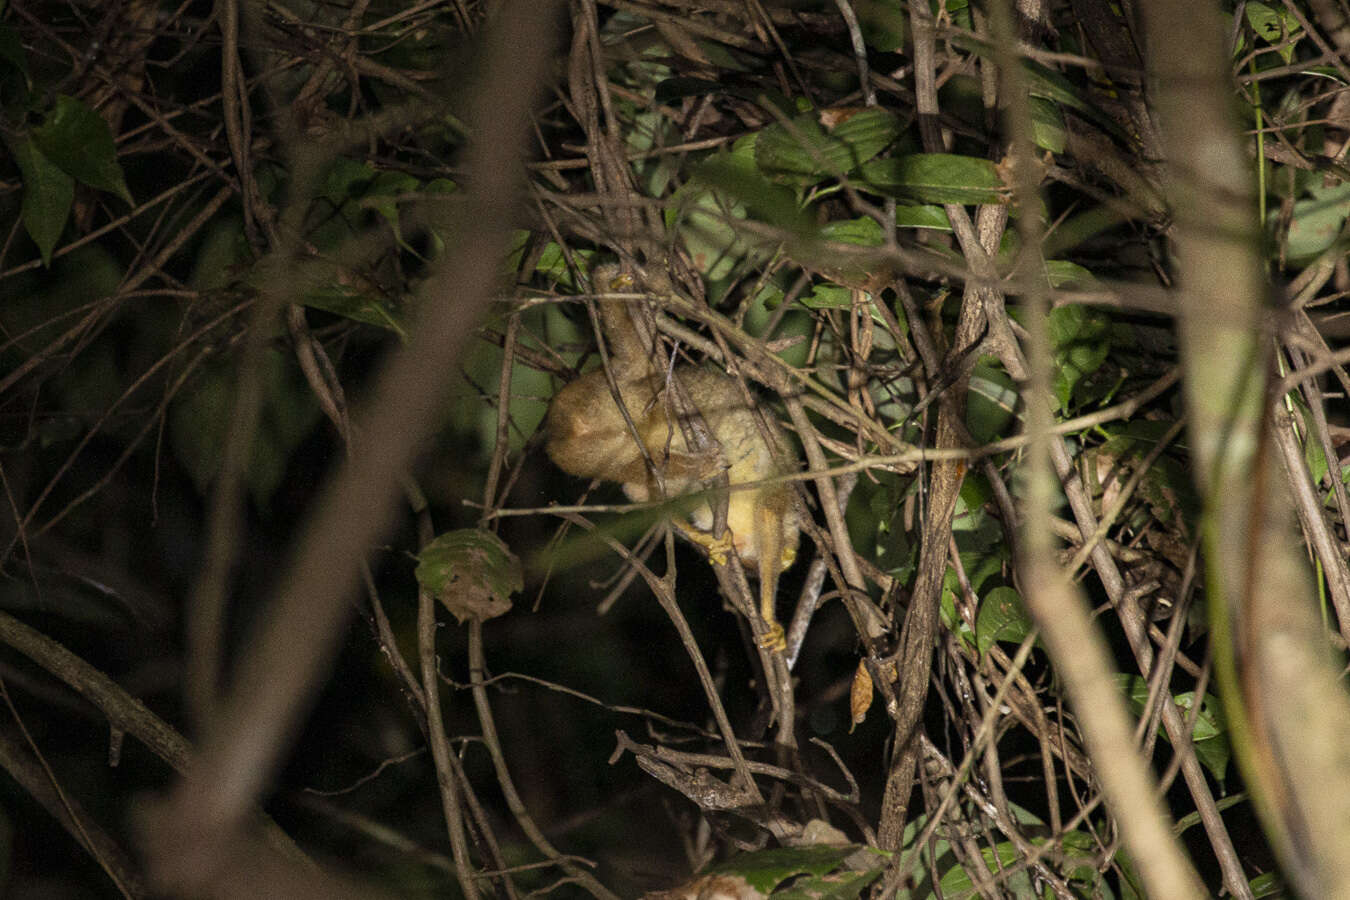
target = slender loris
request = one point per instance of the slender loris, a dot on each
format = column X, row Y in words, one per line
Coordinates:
column 590, row 438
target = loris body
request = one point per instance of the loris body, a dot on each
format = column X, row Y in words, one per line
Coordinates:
column 589, row 437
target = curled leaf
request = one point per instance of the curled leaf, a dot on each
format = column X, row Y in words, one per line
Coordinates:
column 860, row 695
column 470, row 571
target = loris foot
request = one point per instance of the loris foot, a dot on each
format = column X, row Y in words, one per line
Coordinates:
column 717, row 547
column 774, row 639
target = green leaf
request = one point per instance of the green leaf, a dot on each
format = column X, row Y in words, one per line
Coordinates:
column 1268, row 884
column 828, row 296
column 992, row 403
column 736, row 176
column 956, row 883
column 766, row 869
column 552, row 264
column 843, row 885
column 933, row 217
column 1210, row 734
column 1047, row 125
column 1002, row 617
column 1316, row 222
column 1064, row 274
column 807, row 153
column 385, row 192
column 863, row 231
column 1081, row 338
column 1273, row 26
column 78, row 140
column 704, row 220
column 471, row 571
column 346, row 178
column 350, row 302
column 1048, row 84
column 935, row 178
column 47, row 195
column 885, row 24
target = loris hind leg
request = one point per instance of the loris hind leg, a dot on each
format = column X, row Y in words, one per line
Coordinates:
column 774, row 557
column 767, row 566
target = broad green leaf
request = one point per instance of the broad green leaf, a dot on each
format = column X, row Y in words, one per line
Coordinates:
column 1269, row 884
column 807, row 152
column 1002, row 617
column 704, row 222
column 958, row 885
column 1081, row 339
column 1046, row 83
column 350, row 302
column 828, row 296
column 1210, row 734
column 47, row 195
column 1064, row 274
column 736, row 176
column 552, row 265
column 384, row 194
column 78, row 140
column 935, row 178
column 766, row 869
column 992, row 404
column 862, row 231
column 1047, row 125
column 842, row 885
column 345, row 179
column 934, row 217
column 1316, row 222
column 885, row 23
column 1274, row 26
column 472, row 572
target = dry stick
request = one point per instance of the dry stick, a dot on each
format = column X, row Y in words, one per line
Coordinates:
column 502, row 443
column 1285, row 701
column 1004, row 818
column 1134, row 625
column 1077, row 648
column 323, row 383
column 124, row 712
column 1309, row 499
column 666, row 598
column 491, row 740
column 447, row 765
column 130, row 391
column 477, row 661
column 901, row 864
column 19, row 764
column 1146, row 735
column 854, row 588
column 238, row 115
column 1316, row 401
column 287, row 659
column 1308, row 504
column 809, row 602
column 915, row 654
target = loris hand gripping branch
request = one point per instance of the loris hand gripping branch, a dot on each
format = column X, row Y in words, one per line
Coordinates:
column 590, row 438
